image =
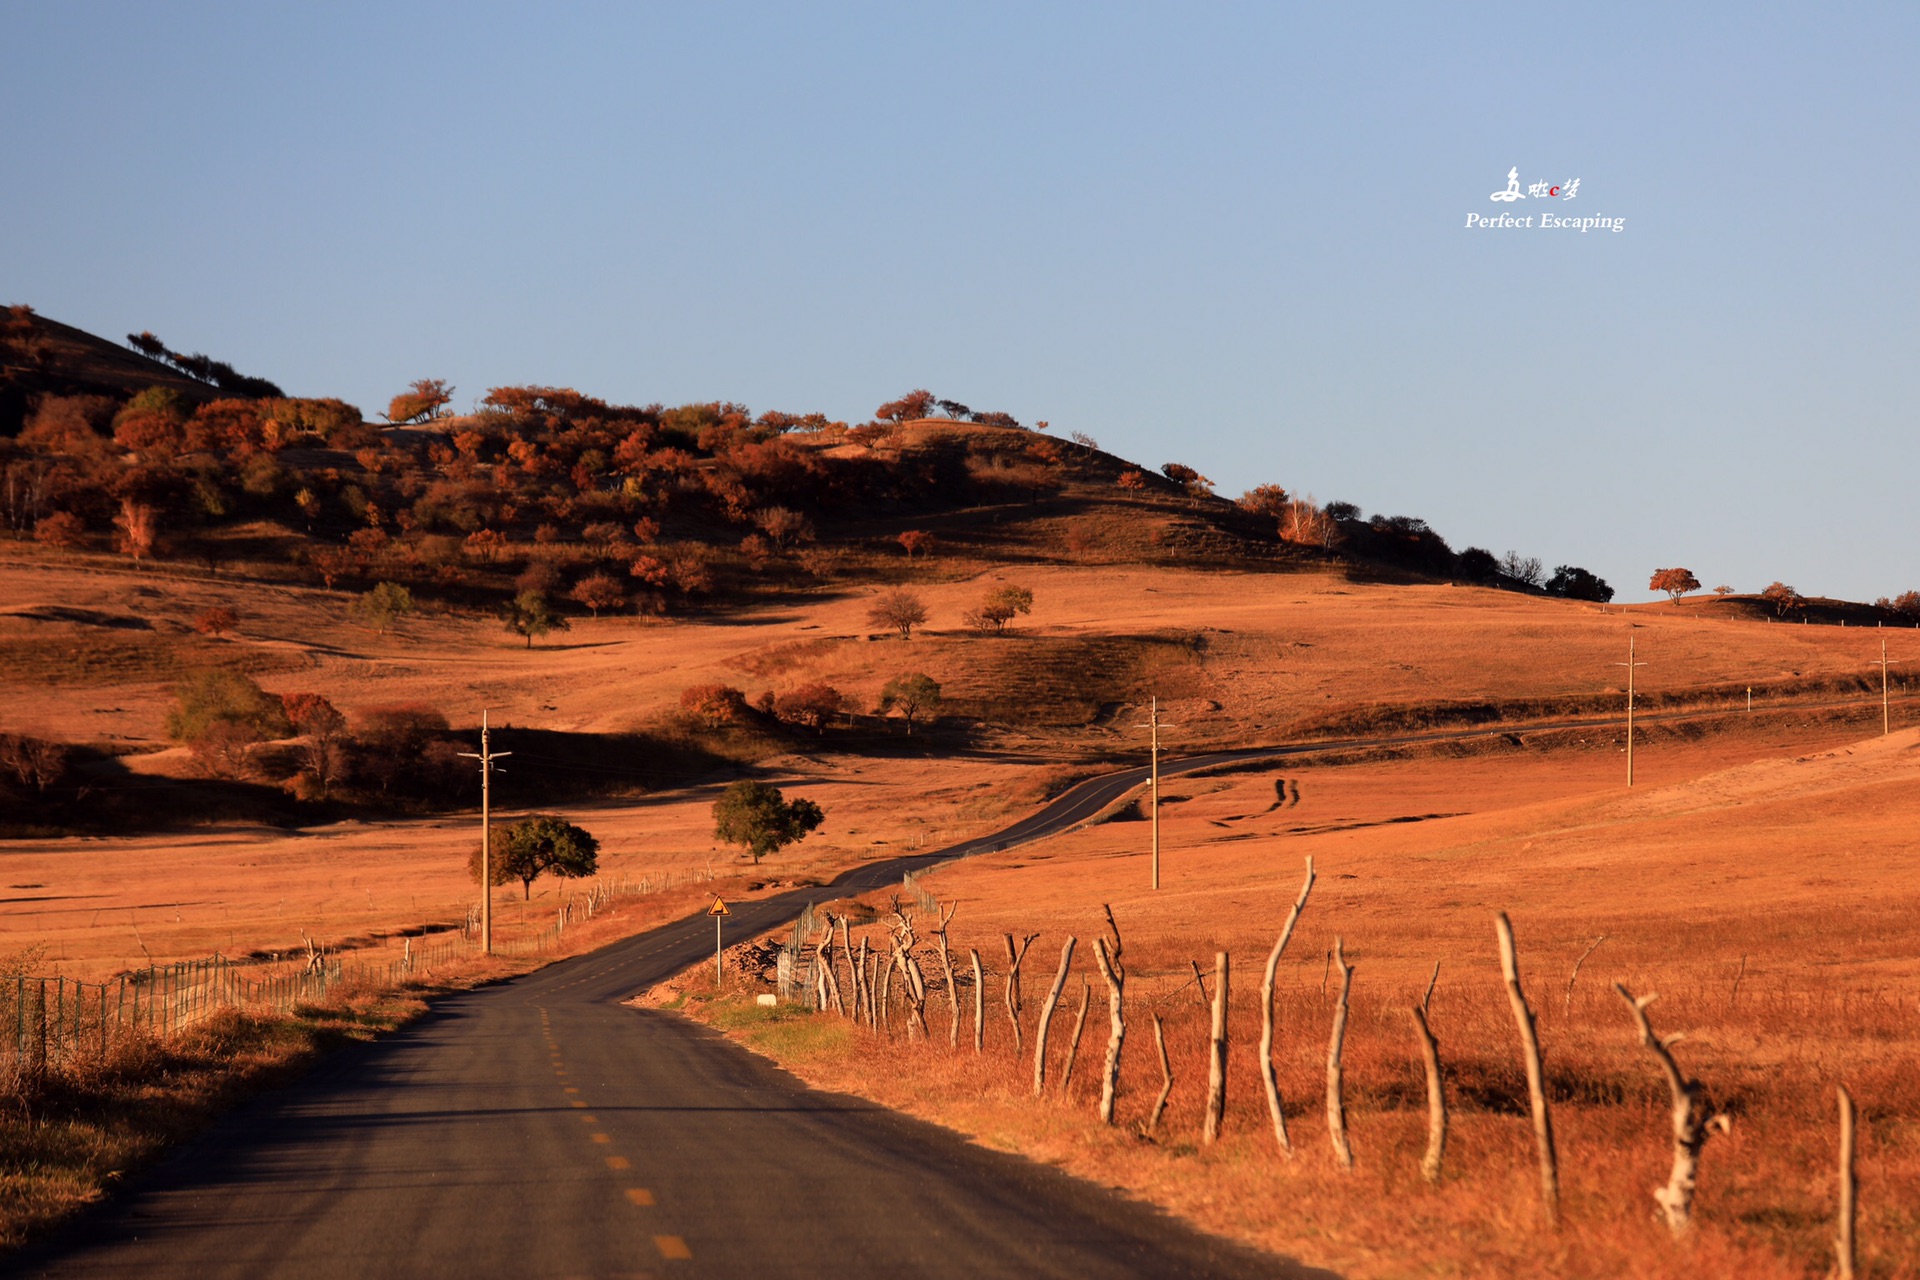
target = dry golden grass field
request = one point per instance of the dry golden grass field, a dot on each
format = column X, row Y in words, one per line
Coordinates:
column 1771, row 849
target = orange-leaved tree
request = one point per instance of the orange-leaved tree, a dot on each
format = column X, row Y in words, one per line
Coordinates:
column 1675, row 582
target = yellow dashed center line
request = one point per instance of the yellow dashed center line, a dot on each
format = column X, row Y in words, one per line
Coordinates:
column 590, row 1119
column 576, row 1103
column 618, row 1163
column 640, row 1196
column 601, row 1137
column 672, row 1247
column 569, row 1089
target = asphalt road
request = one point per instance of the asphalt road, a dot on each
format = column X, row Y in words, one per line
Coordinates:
column 539, row 1128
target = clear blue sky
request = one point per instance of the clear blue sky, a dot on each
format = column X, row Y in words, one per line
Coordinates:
column 1228, row 236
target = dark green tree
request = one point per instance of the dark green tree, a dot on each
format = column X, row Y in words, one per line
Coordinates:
column 757, row 817
column 539, row 844
column 1575, row 583
column 913, row 694
column 530, row 615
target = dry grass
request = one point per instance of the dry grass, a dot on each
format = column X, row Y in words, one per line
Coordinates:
column 1792, row 876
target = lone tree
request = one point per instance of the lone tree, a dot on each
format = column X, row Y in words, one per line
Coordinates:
column 386, row 604
column 529, row 615
column 598, row 591
column 541, row 843
column 1782, row 597
column 913, row 694
column 1675, row 582
column 900, row 611
column 999, row 608
column 757, row 817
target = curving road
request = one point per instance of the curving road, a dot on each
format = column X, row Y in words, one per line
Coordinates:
column 539, row 1128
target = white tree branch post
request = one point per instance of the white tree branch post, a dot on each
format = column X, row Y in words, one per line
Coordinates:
column 865, row 979
column 979, row 1004
column 1693, row 1120
column 1268, row 1076
column 1336, row 1047
column 1217, row 1053
column 946, row 967
column 1536, row 1075
column 1046, row 1018
column 1117, row 1036
column 1166, row 1076
column 1013, row 1001
column 1436, row 1096
column 823, row 956
column 853, row 978
column 1073, row 1045
column 1845, row 1254
column 1567, row 1010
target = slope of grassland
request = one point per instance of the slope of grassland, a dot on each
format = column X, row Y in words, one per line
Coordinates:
column 1771, row 904
column 92, row 652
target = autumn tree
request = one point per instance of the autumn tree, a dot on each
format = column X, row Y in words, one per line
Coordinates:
column 1305, row 523
column 1133, row 481
column 1675, row 582
column 1782, row 598
column 812, row 704
column 216, row 621
column 323, row 732
column 1187, row 478
column 423, row 400
column 405, row 745
column 537, row 845
column 528, row 614
column 786, row 527
column 999, row 607
column 1087, row 443
column 60, row 529
column 900, row 611
column 758, row 818
column 914, row 695
column 598, row 591
column 139, row 528
column 917, row 542
column 1264, row 500
column 914, row 404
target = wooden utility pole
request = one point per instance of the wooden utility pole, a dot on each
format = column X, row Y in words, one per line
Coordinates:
column 486, row 757
column 1886, row 721
column 1630, row 664
column 1153, row 782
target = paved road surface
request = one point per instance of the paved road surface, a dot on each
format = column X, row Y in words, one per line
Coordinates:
column 539, row 1128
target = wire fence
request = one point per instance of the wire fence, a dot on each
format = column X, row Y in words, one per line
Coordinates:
column 48, row 1023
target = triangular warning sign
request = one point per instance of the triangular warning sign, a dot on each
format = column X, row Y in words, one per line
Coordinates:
column 719, row 908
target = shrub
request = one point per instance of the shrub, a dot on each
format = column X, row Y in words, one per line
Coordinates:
column 61, row 529
column 714, row 704
column 384, row 605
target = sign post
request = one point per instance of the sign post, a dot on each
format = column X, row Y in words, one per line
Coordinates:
column 718, row 911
